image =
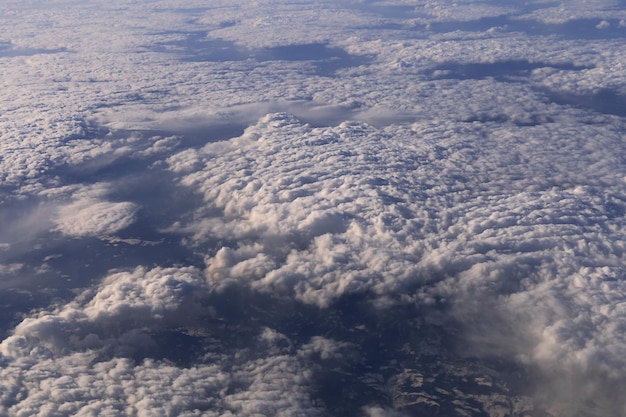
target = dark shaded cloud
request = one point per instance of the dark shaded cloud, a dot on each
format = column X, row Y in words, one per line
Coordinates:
column 501, row 71
column 602, row 101
column 199, row 47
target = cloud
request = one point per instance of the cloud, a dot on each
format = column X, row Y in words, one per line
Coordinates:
column 307, row 222
column 88, row 214
column 142, row 295
column 76, row 385
column 575, row 10
column 484, row 234
column 380, row 412
column 95, row 218
column 123, row 303
column 85, row 358
column 435, row 196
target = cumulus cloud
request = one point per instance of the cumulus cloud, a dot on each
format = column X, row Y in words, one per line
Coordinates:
column 308, row 222
column 122, row 304
column 572, row 11
column 76, row 385
column 95, row 218
column 330, row 212
column 88, row 214
column 380, row 412
column 85, row 358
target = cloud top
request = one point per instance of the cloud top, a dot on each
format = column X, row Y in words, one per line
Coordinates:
column 87, row 218
column 483, row 234
column 92, row 356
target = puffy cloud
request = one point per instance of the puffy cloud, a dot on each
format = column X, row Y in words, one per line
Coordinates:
column 123, row 303
column 487, row 234
column 308, row 222
column 380, row 412
column 95, row 218
column 77, row 385
column 326, row 349
column 141, row 294
column 91, row 357
column 88, row 214
column 572, row 11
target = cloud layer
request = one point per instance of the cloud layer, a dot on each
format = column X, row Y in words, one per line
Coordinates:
column 519, row 249
column 287, row 208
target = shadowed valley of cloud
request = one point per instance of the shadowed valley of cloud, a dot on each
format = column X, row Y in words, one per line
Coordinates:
column 583, row 29
column 602, row 101
column 197, row 47
column 500, row 71
column 8, row 49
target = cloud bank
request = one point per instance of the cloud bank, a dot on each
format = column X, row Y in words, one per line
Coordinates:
column 520, row 254
column 287, row 208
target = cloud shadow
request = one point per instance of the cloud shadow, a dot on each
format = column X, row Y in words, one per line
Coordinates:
column 582, row 29
column 604, row 101
column 500, row 70
column 7, row 49
column 197, row 47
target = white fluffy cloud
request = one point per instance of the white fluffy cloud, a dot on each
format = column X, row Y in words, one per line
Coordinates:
column 504, row 233
column 122, row 304
column 78, row 385
column 76, row 359
column 95, row 218
column 83, row 211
